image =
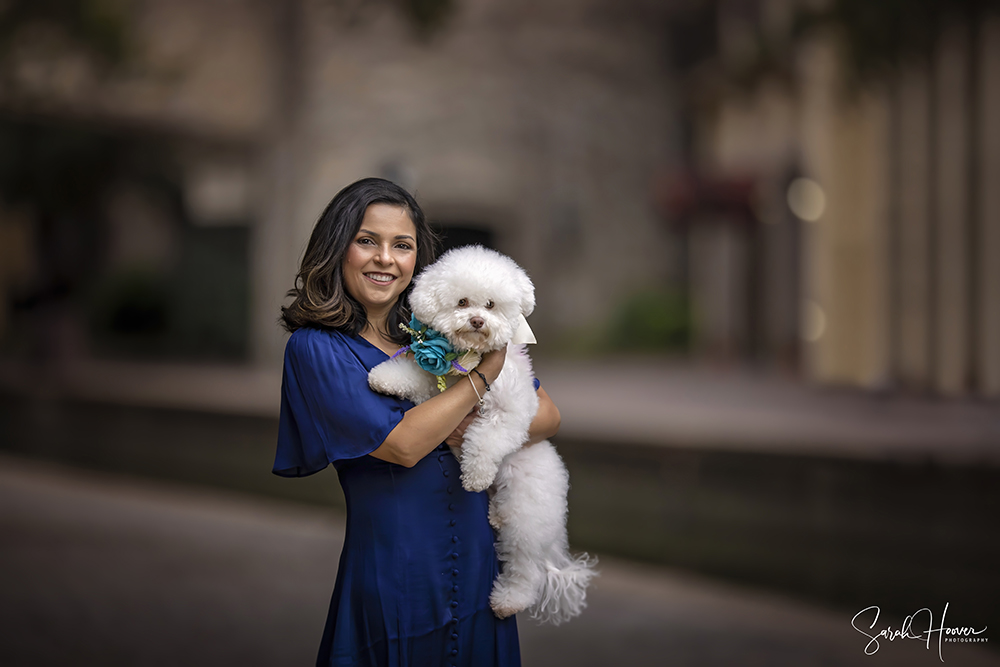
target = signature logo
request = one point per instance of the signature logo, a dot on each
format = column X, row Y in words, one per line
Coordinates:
column 911, row 629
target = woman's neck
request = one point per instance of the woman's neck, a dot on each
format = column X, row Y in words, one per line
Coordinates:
column 375, row 333
column 377, row 320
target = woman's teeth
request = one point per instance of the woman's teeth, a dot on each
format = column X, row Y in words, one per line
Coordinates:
column 381, row 277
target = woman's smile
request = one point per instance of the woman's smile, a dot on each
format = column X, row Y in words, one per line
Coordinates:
column 380, row 278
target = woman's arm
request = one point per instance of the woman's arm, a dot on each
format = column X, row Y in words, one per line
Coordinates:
column 547, row 419
column 426, row 426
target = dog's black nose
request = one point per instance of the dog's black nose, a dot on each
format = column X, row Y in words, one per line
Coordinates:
column 477, row 322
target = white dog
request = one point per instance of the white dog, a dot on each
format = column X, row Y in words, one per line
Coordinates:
column 477, row 299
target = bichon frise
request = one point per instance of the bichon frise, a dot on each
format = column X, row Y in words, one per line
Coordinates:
column 471, row 301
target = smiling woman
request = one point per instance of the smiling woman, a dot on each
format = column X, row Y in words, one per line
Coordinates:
column 419, row 561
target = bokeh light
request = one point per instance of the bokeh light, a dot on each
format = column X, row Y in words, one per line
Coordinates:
column 806, row 199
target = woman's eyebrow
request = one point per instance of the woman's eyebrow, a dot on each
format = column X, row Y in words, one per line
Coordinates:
column 398, row 236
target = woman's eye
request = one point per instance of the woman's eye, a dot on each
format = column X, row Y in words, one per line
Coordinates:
column 489, row 304
column 463, row 303
column 404, row 246
column 365, row 241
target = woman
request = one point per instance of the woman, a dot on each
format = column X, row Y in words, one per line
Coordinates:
column 418, row 561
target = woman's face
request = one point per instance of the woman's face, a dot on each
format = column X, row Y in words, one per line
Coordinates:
column 379, row 262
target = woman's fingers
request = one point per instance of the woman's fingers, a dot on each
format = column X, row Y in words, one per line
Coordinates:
column 457, row 436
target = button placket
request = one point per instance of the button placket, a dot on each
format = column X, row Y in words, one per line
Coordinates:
column 453, row 602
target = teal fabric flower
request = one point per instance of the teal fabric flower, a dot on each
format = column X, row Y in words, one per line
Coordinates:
column 431, row 350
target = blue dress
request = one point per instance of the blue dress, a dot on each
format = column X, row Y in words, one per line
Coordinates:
column 418, row 562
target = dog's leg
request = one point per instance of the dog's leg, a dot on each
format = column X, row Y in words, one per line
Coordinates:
column 519, row 583
column 510, row 406
column 538, row 571
column 404, row 378
column 523, row 509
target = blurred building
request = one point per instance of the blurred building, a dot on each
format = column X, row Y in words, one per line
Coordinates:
column 648, row 163
column 842, row 161
column 533, row 127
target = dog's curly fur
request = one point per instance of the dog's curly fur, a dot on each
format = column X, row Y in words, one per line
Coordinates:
column 528, row 508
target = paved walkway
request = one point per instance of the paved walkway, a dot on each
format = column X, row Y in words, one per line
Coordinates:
column 104, row 570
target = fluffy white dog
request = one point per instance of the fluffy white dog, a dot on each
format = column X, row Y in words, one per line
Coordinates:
column 477, row 299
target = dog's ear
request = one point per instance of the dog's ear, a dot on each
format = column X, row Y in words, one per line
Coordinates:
column 423, row 300
column 527, row 292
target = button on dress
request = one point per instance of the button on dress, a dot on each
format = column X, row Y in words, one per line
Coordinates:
column 418, row 561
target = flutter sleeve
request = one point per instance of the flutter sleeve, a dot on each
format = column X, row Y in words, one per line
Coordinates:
column 328, row 412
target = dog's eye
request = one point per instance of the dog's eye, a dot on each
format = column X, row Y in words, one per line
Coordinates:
column 489, row 304
column 463, row 303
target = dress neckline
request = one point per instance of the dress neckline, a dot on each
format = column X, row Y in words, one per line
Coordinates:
column 371, row 345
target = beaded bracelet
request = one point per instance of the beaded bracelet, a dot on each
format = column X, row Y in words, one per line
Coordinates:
column 483, row 378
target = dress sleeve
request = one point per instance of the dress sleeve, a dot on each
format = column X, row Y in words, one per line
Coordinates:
column 328, row 412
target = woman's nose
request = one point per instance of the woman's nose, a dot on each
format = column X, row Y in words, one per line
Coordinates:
column 384, row 256
column 477, row 322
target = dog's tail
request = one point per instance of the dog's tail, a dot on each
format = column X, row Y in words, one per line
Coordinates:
column 564, row 590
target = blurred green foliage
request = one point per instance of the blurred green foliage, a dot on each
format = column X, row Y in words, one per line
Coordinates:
column 651, row 320
column 97, row 28
column 427, row 15
column 880, row 35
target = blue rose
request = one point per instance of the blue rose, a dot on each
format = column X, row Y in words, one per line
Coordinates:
column 430, row 353
column 431, row 350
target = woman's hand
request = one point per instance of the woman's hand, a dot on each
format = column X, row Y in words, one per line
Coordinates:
column 457, row 436
column 492, row 364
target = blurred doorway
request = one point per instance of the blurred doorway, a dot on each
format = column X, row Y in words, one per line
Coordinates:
column 460, row 233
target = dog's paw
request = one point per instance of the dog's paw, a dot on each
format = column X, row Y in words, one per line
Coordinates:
column 507, row 600
column 480, row 477
column 494, row 516
column 378, row 379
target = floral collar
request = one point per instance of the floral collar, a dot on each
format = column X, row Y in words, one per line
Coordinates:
column 433, row 353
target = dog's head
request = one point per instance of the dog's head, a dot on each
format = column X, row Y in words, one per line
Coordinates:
column 474, row 296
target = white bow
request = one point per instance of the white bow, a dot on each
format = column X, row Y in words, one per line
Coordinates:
column 523, row 334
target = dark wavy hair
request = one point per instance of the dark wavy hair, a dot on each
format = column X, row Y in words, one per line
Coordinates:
column 320, row 299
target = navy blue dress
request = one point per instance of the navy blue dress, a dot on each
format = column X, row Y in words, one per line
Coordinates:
column 418, row 562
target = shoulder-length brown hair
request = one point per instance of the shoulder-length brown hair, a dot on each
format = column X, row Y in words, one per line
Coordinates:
column 320, row 299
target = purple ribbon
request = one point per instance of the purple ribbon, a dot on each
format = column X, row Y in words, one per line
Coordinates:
column 406, row 348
